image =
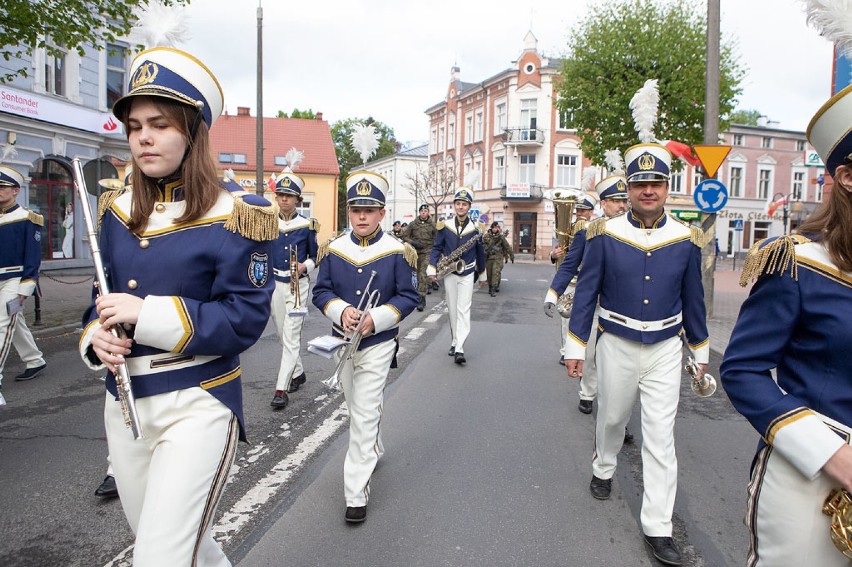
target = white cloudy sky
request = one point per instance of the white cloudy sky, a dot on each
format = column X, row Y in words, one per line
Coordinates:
column 391, row 59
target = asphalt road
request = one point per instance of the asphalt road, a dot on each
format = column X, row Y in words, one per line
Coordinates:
column 485, row 465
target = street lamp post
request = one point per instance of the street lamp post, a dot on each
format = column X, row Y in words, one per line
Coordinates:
column 785, row 210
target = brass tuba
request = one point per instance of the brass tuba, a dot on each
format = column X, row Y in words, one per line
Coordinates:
column 838, row 506
column 564, row 203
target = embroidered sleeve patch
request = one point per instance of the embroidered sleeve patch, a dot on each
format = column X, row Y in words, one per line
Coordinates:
column 258, row 270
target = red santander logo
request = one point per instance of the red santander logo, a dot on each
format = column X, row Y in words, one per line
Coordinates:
column 110, row 125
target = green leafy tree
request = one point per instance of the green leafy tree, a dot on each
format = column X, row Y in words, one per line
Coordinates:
column 745, row 117
column 69, row 23
column 309, row 114
column 348, row 160
column 616, row 48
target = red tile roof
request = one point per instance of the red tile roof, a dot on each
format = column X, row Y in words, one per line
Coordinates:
column 237, row 134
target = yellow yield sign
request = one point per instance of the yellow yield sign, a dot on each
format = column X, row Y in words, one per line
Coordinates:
column 711, row 157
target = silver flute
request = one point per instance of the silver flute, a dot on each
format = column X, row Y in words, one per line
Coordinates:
column 122, row 376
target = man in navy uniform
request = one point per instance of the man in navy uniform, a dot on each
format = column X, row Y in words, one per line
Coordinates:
column 459, row 286
column 20, row 258
column 645, row 269
column 299, row 234
column 345, row 267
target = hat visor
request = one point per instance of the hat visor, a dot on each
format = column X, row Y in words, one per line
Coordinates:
column 364, row 203
column 648, row 176
column 120, row 106
column 283, row 191
column 616, row 197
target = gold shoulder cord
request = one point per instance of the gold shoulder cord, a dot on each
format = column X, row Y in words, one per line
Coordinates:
column 252, row 221
column 778, row 256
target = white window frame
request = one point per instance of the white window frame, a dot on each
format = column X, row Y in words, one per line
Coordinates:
column 500, row 170
column 468, row 128
column 500, row 116
column 676, row 183
column 441, row 138
column 567, row 170
column 766, row 142
column 799, row 177
column 115, row 69
column 736, row 189
column 526, row 169
column 451, row 133
column 433, row 140
column 478, row 124
column 765, row 192
column 737, row 139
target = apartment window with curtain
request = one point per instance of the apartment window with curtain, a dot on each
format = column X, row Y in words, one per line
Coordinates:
column 527, row 170
column 468, row 128
column 736, row 182
column 499, row 118
column 441, row 139
column 478, row 125
column 676, row 182
column 529, row 120
column 500, row 171
column 116, row 69
column 54, row 70
column 566, row 170
column 766, row 143
column 451, row 134
column 738, row 140
column 764, row 182
column 798, row 185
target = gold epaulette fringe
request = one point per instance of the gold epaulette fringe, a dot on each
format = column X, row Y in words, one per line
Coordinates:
column 439, row 225
column 596, row 228
column 35, row 218
column 696, row 236
column 581, row 224
column 410, row 255
column 314, row 224
column 322, row 251
column 253, row 221
column 778, row 256
column 105, row 201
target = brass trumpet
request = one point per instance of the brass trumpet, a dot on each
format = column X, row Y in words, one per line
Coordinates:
column 704, row 385
column 369, row 299
column 298, row 309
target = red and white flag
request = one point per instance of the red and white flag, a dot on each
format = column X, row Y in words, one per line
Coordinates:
column 682, row 151
column 772, row 206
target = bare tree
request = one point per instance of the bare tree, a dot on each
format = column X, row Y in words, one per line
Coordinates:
column 432, row 186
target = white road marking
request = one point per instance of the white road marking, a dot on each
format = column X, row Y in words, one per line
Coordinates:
column 414, row 333
column 432, row 318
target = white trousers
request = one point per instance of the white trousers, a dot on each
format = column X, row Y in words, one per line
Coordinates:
column 170, row 482
column 289, row 330
column 786, row 525
column 363, row 384
column 589, row 381
column 627, row 368
column 459, row 294
column 14, row 331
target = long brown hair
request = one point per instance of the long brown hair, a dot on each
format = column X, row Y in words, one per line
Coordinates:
column 198, row 172
column 831, row 224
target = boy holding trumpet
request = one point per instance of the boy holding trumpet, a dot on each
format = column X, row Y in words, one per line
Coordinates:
column 345, row 267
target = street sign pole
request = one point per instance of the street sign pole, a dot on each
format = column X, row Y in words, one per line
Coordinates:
column 711, row 136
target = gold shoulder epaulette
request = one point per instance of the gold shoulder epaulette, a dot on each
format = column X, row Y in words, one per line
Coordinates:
column 410, row 255
column 579, row 224
column 314, row 224
column 35, row 218
column 257, row 221
column 105, row 201
column 322, row 250
column 696, row 236
column 778, row 256
column 439, row 225
column 596, row 228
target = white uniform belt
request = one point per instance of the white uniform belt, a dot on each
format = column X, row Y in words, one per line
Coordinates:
column 636, row 324
column 154, row 364
column 281, row 273
column 10, row 269
column 834, row 424
column 471, row 265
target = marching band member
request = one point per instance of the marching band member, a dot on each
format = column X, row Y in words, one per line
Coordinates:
column 300, row 234
column 459, row 287
column 645, row 269
column 189, row 266
column 796, row 321
column 345, row 266
column 20, row 258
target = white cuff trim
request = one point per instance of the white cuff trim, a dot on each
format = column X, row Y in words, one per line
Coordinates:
column 164, row 324
column 807, row 443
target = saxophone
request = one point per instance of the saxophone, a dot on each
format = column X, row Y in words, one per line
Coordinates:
column 453, row 262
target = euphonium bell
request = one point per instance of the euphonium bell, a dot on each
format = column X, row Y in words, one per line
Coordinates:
column 838, row 506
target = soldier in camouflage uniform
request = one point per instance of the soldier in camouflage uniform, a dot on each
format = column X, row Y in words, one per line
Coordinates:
column 497, row 251
column 421, row 235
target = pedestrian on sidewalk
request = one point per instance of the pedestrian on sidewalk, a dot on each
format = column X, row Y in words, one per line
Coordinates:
column 346, row 267
column 20, row 258
column 796, row 321
column 188, row 263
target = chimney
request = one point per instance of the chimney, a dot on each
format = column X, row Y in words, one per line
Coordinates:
column 243, row 111
column 319, row 115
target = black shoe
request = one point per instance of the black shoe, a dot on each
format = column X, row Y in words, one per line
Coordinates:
column 585, row 406
column 561, row 360
column 452, row 351
column 355, row 514
column 435, row 286
column 628, row 437
column 459, row 358
column 664, row 550
column 422, row 305
column 30, row 373
column 496, row 289
column 491, row 291
column 600, row 488
column 280, row 399
column 107, row 489
column 297, row 382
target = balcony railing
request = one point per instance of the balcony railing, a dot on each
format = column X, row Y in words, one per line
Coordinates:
column 523, row 136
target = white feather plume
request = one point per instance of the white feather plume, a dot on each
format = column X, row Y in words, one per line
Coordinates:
column 614, row 161
column 230, row 175
column 294, row 157
column 588, row 182
column 9, row 151
column 162, row 25
column 365, row 140
column 644, row 105
column 472, row 177
column 833, row 19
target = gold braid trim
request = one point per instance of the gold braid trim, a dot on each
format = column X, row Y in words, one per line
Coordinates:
column 778, row 257
column 252, row 221
column 696, row 236
column 105, row 201
column 35, row 218
column 410, row 255
column 440, row 225
column 314, row 224
column 322, row 251
column 596, row 228
column 581, row 224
